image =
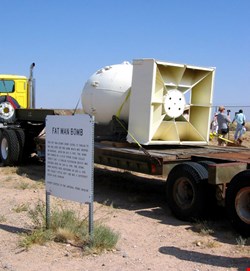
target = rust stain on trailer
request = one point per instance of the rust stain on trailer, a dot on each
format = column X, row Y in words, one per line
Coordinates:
column 232, row 156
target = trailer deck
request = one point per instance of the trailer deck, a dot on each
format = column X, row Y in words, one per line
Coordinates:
column 155, row 160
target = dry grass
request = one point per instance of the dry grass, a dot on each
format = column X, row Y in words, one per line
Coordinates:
column 66, row 227
column 9, row 170
column 245, row 138
column 23, row 207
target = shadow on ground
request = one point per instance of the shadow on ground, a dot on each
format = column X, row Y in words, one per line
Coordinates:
column 13, row 229
column 241, row 263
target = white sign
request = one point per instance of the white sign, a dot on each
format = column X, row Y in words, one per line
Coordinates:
column 69, row 157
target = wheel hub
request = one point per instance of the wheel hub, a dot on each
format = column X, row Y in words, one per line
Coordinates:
column 184, row 193
column 4, row 148
column 242, row 204
column 6, row 110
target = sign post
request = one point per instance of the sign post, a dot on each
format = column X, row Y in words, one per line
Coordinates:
column 70, row 160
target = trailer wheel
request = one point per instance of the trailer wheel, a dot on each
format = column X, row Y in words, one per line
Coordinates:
column 9, row 151
column 21, row 140
column 185, row 189
column 8, row 105
column 211, row 201
column 238, row 202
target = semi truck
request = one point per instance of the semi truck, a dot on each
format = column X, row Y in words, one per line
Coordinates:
column 152, row 117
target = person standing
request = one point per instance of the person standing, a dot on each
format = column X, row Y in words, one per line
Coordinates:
column 240, row 120
column 214, row 124
column 223, row 122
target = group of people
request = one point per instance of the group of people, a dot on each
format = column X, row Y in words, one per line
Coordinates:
column 221, row 122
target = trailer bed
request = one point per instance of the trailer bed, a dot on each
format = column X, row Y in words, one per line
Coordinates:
column 153, row 159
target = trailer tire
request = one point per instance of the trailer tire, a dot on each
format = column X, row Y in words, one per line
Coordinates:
column 206, row 163
column 238, row 202
column 8, row 105
column 212, row 207
column 9, row 148
column 186, row 190
column 21, row 140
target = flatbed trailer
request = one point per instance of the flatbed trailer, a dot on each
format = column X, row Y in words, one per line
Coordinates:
column 196, row 177
column 159, row 160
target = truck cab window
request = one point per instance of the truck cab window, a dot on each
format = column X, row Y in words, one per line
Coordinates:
column 7, row 86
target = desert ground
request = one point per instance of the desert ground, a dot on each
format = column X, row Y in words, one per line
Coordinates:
column 150, row 237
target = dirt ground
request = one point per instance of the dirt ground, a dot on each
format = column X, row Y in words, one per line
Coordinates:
column 135, row 207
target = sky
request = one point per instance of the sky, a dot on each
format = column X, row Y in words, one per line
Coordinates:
column 70, row 40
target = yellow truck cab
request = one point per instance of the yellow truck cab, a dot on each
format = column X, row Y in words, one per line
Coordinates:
column 15, row 92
